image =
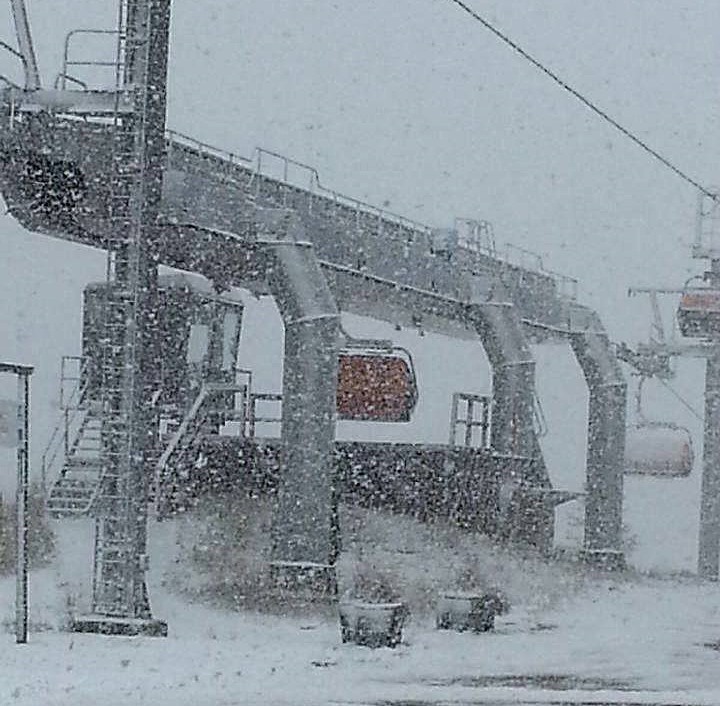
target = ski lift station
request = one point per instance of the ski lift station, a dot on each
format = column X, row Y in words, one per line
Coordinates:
column 156, row 411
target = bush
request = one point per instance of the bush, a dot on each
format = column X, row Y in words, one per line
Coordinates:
column 40, row 543
column 225, row 541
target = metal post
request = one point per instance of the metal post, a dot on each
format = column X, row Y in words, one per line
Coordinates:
column 120, row 602
column 22, row 418
column 25, row 43
column 709, row 531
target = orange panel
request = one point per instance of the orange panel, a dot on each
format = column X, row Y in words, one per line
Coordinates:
column 701, row 301
column 378, row 388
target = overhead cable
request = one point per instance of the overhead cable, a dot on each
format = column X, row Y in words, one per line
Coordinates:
column 585, row 101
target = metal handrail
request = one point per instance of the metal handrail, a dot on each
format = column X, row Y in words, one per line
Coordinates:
column 67, row 77
column 17, row 54
column 207, row 149
column 60, row 437
column 567, row 286
column 314, row 187
column 12, row 50
column 10, row 83
column 64, row 75
column 207, row 390
column 336, row 196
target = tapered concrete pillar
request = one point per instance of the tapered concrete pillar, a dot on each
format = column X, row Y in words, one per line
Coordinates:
column 524, row 513
column 305, row 538
column 605, row 445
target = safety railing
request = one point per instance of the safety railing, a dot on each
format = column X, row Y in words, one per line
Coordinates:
column 15, row 53
column 293, row 174
column 173, row 138
column 464, row 429
column 71, row 411
column 522, row 258
column 255, row 418
column 269, row 165
column 567, row 287
column 70, row 64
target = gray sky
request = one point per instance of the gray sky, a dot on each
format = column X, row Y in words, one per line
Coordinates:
column 413, row 104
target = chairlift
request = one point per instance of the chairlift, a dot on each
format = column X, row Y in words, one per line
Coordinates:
column 654, row 448
column 699, row 312
column 376, row 382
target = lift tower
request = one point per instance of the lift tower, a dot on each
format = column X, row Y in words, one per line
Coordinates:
column 700, row 312
column 120, row 600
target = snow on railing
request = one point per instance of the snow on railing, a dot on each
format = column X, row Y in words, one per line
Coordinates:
column 307, row 179
column 298, row 175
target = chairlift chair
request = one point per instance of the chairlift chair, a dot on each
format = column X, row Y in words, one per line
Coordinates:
column 376, row 382
column 699, row 312
column 655, row 448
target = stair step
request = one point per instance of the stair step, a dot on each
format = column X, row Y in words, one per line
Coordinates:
column 75, row 461
column 71, row 497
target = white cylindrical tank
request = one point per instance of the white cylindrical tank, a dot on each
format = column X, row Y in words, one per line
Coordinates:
column 658, row 449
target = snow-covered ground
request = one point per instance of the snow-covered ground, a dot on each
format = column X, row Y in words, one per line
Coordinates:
column 607, row 640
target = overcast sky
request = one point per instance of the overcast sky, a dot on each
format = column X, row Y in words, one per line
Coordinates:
column 412, row 104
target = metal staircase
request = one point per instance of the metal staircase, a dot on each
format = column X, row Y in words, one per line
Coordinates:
column 77, row 442
column 202, row 423
column 74, row 492
column 74, row 446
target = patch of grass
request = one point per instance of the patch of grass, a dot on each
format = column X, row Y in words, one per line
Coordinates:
column 40, row 541
column 225, row 547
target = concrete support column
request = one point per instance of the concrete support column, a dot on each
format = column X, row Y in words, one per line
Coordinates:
column 605, row 446
column 305, row 537
column 525, row 516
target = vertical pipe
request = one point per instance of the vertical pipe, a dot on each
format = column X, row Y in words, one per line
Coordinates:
column 709, row 531
column 25, row 44
column 21, row 499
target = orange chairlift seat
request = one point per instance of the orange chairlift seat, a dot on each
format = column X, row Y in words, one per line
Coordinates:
column 660, row 449
column 376, row 382
column 698, row 313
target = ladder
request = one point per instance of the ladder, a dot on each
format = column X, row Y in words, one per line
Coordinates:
column 121, row 503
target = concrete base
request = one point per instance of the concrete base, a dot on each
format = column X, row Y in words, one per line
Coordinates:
column 604, row 559
column 110, row 625
column 304, row 578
